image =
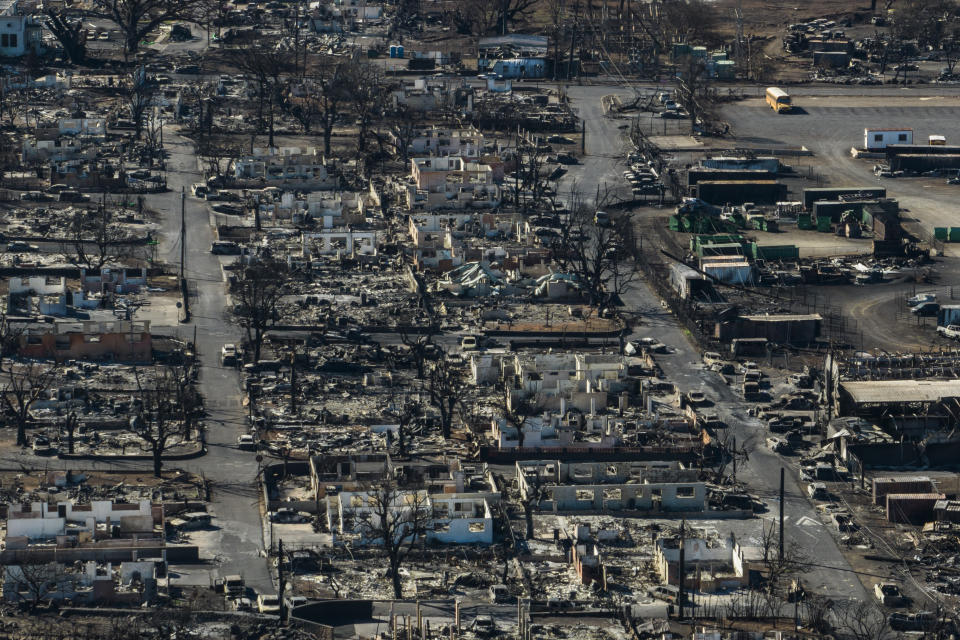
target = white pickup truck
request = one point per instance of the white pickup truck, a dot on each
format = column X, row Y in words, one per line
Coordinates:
column 951, row 331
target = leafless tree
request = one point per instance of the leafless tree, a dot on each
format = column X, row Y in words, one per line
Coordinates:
column 405, row 124
column 35, row 582
column 446, row 387
column 367, row 93
column 516, row 411
column 165, row 411
column 140, row 95
column 404, row 413
column 70, row 33
column 532, row 179
column 818, row 610
column 258, row 290
column 70, row 426
column 22, row 383
column 218, row 153
column 601, row 256
column 137, row 18
column 267, row 64
column 95, row 239
column 860, row 620
column 330, row 76
column 395, row 519
column 419, row 344
column 493, row 16
column 530, row 499
column 780, row 566
column 731, row 454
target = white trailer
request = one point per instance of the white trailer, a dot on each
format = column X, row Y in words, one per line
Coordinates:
column 879, row 139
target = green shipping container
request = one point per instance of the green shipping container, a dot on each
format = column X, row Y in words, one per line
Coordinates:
column 954, row 234
column 824, row 224
column 940, row 233
column 804, row 221
column 778, row 252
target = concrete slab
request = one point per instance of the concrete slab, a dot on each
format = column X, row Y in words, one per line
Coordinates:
column 677, row 143
column 813, row 244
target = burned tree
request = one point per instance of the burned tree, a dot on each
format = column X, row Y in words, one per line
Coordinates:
column 395, row 519
column 267, row 65
column 258, row 290
column 492, row 16
column 784, row 561
column 860, row 620
column 516, row 411
column 367, row 96
column 330, row 78
column 70, row 33
column 531, row 179
column 137, row 18
column 420, row 345
column 404, row 413
column 532, row 490
column 446, row 387
column 23, row 383
column 165, row 410
column 405, row 124
column 140, row 96
column 600, row 253
column 35, row 582
column 96, row 239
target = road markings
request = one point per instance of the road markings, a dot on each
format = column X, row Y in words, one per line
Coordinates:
column 807, row 521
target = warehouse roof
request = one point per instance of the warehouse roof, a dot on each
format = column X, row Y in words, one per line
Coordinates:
column 900, row 391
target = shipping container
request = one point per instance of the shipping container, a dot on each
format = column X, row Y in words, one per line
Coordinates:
column 720, row 249
column 737, row 163
column 954, row 234
column 905, row 484
column 940, row 233
column 816, row 194
column 741, row 191
column 685, row 280
column 774, row 252
column 697, row 175
column 925, row 162
column 948, row 314
column 911, row 508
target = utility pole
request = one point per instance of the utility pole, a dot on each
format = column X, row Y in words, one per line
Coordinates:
column 281, row 580
column 733, row 449
column 183, row 235
column 681, row 594
column 293, row 383
column 780, row 550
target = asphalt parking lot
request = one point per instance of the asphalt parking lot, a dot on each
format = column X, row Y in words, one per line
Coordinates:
column 830, row 126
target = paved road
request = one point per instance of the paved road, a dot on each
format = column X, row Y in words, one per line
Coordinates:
column 605, row 147
column 232, row 472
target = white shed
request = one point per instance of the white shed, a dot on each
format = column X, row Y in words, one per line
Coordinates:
column 879, row 139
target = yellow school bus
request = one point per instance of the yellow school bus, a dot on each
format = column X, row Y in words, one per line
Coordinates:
column 778, row 99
